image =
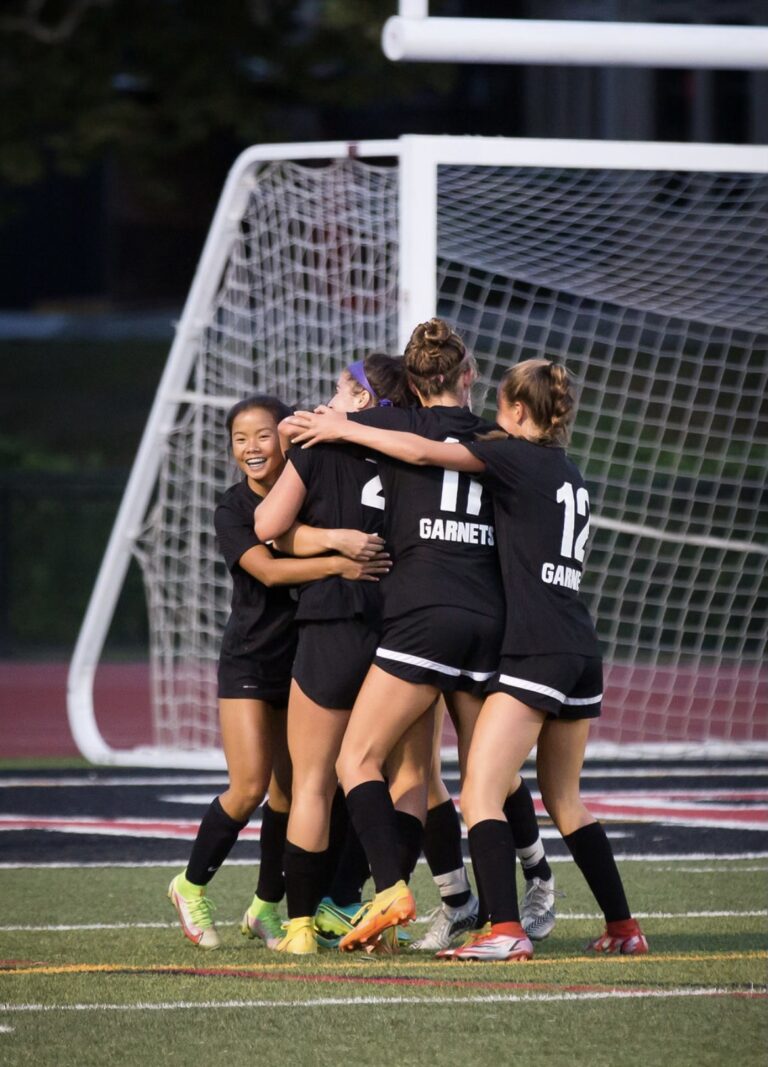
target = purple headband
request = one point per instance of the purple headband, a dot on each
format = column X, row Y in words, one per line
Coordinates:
column 358, row 373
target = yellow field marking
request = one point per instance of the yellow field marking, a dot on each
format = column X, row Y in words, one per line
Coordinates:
column 444, row 967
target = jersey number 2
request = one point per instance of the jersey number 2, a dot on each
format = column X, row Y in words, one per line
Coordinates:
column 578, row 504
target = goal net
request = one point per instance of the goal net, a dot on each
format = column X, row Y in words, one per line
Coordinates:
column 643, row 267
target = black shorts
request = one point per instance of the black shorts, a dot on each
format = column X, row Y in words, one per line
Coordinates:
column 333, row 658
column 450, row 648
column 252, row 677
column 564, row 686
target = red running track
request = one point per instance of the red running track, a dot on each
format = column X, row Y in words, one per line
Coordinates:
column 641, row 704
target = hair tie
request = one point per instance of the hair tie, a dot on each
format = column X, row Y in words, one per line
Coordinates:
column 357, row 370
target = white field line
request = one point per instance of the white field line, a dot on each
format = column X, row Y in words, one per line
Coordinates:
column 691, row 857
column 561, row 917
column 343, row 1002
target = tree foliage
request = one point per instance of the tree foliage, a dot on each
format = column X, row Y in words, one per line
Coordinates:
column 145, row 81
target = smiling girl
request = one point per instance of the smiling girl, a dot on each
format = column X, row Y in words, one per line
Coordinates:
column 254, row 672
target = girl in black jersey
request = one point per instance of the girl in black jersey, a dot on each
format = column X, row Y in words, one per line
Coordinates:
column 338, row 625
column 548, row 684
column 443, row 612
column 254, row 671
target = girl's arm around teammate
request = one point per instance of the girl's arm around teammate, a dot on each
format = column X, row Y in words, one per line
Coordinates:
column 262, row 565
column 303, row 540
column 327, row 426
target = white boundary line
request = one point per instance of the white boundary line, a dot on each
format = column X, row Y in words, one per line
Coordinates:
column 344, row 1002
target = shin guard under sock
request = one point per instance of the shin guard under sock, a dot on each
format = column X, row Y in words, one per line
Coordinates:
column 493, row 859
column 215, row 838
column 274, row 826
column 305, row 874
column 372, row 814
column 593, row 855
column 410, row 833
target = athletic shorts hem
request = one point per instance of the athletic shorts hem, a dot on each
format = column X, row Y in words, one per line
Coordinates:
column 565, row 687
column 420, row 671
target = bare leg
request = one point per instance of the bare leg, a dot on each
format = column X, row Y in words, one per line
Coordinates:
column 247, row 735
column 385, row 708
column 314, row 740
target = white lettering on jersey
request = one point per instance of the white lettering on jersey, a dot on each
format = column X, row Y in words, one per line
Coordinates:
column 568, row 577
column 467, row 533
column 372, row 495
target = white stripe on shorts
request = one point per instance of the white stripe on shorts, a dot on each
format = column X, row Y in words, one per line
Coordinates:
column 532, row 687
column 417, row 661
column 545, row 690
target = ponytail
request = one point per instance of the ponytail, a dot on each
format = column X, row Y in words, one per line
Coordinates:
column 547, row 391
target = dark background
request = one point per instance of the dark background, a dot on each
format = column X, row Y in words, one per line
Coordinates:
column 118, row 123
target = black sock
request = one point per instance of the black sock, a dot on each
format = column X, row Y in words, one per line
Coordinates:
column 372, row 813
column 305, row 875
column 351, row 872
column 521, row 816
column 442, row 847
column 493, row 858
column 410, row 833
column 337, row 831
column 215, row 838
column 274, row 826
column 593, row 854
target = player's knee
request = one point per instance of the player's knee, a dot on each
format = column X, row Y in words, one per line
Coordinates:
column 566, row 810
column 469, row 802
column 247, row 795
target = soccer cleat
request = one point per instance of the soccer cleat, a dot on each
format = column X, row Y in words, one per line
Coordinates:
column 333, row 919
column 496, row 945
column 394, row 906
column 386, row 944
column 537, row 912
column 263, row 921
column 447, row 924
column 448, row 953
column 623, row 938
column 194, row 910
column 299, row 939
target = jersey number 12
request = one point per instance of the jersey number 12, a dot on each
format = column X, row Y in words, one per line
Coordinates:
column 578, row 504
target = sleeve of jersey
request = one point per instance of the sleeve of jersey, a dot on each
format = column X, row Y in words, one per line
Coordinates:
column 233, row 533
column 303, row 460
column 500, row 468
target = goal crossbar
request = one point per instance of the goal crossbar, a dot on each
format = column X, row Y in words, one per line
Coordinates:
column 574, row 42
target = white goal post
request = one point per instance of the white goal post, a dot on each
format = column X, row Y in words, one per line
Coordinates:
column 413, row 35
column 643, row 266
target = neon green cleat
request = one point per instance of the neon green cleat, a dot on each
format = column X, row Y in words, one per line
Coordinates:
column 300, row 938
column 194, row 910
column 333, row 921
column 262, row 920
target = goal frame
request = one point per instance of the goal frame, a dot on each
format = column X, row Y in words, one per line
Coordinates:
column 418, row 158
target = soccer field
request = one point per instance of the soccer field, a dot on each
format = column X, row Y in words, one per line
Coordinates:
column 95, row 968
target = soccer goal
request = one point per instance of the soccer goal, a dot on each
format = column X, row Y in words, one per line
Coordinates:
column 644, row 267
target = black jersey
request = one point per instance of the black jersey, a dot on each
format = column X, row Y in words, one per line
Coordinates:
column 438, row 524
column 261, row 619
column 542, row 523
column 339, row 480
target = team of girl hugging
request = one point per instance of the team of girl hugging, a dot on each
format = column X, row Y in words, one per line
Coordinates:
column 406, row 559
